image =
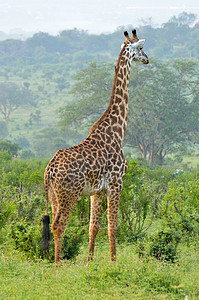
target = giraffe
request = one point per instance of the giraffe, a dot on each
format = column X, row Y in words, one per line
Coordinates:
column 97, row 165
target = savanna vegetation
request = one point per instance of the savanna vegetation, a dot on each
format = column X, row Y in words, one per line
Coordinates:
column 52, row 90
column 157, row 237
column 44, row 77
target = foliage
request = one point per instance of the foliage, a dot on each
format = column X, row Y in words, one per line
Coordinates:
column 3, row 129
column 180, row 207
column 27, row 154
column 161, row 245
column 134, row 207
column 35, row 118
column 42, row 62
column 6, row 211
column 184, row 19
column 23, row 174
column 27, row 237
column 5, row 157
column 49, row 140
column 129, row 277
column 10, row 147
column 72, row 241
column 12, row 97
column 22, row 142
column 91, row 88
column 22, row 211
column 172, row 39
column 148, row 195
column 164, row 246
column 156, row 95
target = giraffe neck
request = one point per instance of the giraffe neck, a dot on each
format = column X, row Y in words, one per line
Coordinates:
column 118, row 113
column 114, row 119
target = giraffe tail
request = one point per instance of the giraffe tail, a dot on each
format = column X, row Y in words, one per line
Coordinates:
column 46, row 229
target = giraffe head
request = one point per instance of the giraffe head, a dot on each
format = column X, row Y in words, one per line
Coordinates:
column 134, row 46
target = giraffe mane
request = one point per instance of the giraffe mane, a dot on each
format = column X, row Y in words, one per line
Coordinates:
column 113, row 90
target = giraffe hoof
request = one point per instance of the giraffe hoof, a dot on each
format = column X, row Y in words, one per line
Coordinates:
column 90, row 258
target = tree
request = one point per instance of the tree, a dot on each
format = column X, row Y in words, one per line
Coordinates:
column 11, row 148
column 61, row 83
column 3, row 129
column 164, row 103
column 184, row 19
column 49, row 140
column 35, row 118
column 12, row 97
column 92, row 89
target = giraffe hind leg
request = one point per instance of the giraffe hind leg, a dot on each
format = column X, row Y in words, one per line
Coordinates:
column 53, row 203
column 96, row 202
column 113, row 203
column 59, row 223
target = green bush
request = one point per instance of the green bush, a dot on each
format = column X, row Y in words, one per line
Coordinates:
column 72, row 240
column 161, row 245
column 25, row 230
column 5, row 157
column 6, row 212
column 27, row 237
column 134, row 206
column 180, row 206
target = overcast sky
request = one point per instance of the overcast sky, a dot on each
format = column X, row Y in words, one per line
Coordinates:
column 96, row 16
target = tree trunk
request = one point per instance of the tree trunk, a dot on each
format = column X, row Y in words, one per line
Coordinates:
column 151, row 153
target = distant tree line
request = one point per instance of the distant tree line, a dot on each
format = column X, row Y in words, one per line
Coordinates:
column 173, row 39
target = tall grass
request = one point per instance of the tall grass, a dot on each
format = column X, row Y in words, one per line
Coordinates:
column 129, row 278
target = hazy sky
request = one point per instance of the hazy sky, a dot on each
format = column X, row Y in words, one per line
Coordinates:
column 96, row 16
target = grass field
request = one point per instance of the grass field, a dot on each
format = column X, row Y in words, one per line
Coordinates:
column 130, row 278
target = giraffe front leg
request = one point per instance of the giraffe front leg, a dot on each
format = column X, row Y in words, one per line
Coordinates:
column 113, row 203
column 96, row 202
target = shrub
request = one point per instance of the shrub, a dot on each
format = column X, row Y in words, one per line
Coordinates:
column 162, row 246
column 72, row 242
column 180, row 206
column 135, row 203
column 27, row 237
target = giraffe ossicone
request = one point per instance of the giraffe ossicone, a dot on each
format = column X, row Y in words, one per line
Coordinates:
column 96, row 166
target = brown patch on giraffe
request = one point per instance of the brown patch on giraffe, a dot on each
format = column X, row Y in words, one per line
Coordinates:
column 120, row 75
column 113, row 120
column 124, row 85
column 108, row 130
column 126, row 98
column 119, row 82
column 122, row 110
column 117, row 100
column 125, row 125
